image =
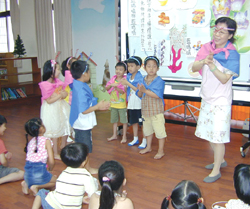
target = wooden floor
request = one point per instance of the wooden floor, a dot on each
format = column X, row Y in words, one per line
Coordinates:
column 148, row 180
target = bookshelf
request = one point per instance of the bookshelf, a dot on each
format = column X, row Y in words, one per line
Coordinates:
column 9, row 79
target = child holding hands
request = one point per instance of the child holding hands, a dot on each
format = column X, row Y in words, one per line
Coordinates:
column 7, row 174
column 83, row 106
column 118, row 104
column 54, row 110
column 134, row 77
column 151, row 90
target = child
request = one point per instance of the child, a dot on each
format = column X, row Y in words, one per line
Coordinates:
column 151, row 91
column 54, row 109
column 242, row 188
column 185, row 195
column 72, row 183
column 111, row 178
column 83, row 106
column 134, row 102
column 118, row 105
column 7, row 174
column 66, row 64
column 39, row 152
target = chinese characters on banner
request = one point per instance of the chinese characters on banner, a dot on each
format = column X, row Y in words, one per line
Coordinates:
column 146, row 25
column 133, row 18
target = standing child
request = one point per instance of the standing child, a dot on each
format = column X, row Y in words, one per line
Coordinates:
column 72, row 183
column 39, row 152
column 66, row 64
column 186, row 195
column 151, row 91
column 7, row 174
column 134, row 77
column 83, row 106
column 54, row 110
column 118, row 105
column 112, row 179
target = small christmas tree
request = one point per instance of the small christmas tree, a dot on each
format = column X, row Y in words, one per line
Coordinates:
column 19, row 47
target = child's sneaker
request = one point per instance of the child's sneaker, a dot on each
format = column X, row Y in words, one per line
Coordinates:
column 143, row 145
column 134, row 142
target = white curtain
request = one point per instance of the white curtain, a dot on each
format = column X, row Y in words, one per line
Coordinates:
column 15, row 18
column 63, row 28
column 44, row 31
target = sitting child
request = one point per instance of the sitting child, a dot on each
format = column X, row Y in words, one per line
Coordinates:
column 7, row 174
column 39, row 158
column 186, row 195
column 242, row 189
column 72, row 183
column 112, row 179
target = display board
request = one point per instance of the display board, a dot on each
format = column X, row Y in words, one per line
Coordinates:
column 174, row 31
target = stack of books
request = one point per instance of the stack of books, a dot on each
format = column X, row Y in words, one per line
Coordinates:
column 13, row 93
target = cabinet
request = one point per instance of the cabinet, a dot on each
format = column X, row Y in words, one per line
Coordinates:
column 9, row 78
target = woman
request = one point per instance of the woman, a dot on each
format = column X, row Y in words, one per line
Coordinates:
column 218, row 62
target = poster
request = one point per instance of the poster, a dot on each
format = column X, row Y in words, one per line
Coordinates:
column 178, row 28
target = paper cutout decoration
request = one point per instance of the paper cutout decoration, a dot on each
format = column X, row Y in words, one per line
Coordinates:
column 174, row 68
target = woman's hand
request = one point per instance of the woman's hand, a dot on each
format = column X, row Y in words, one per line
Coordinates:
column 209, row 59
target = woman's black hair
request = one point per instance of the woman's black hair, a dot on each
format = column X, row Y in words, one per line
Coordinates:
column 242, row 182
column 48, row 70
column 32, row 127
column 78, row 68
column 185, row 195
column 134, row 59
column 69, row 60
column 151, row 58
column 2, row 120
column 230, row 24
column 73, row 155
column 111, row 177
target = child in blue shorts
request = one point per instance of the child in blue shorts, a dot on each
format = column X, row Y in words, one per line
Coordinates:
column 134, row 77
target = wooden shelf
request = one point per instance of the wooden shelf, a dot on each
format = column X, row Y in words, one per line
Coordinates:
column 32, row 89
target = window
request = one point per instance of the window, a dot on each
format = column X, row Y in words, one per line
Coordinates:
column 6, row 35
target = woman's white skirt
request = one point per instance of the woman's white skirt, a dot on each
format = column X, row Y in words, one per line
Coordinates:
column 55, row 118
column 214, row 123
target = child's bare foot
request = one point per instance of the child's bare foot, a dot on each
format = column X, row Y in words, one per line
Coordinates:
column 146, row 150
column 93, row 170
column 57, row 157
column 123, row 141
column 158, row 156
column 25, row 188
column 34, row 189
column 112, row 138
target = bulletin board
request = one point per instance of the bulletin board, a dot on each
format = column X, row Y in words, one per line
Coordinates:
column 174, row 31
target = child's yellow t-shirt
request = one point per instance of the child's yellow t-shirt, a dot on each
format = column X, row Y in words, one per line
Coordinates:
column 67, row 89
column 118, row 102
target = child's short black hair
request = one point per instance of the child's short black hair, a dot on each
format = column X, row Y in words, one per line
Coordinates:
column 134, row 59
column 123, row 64
column 78, row 68
column 151, row 58
column 242, row 182
column 73, row 155
column 2, row 120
